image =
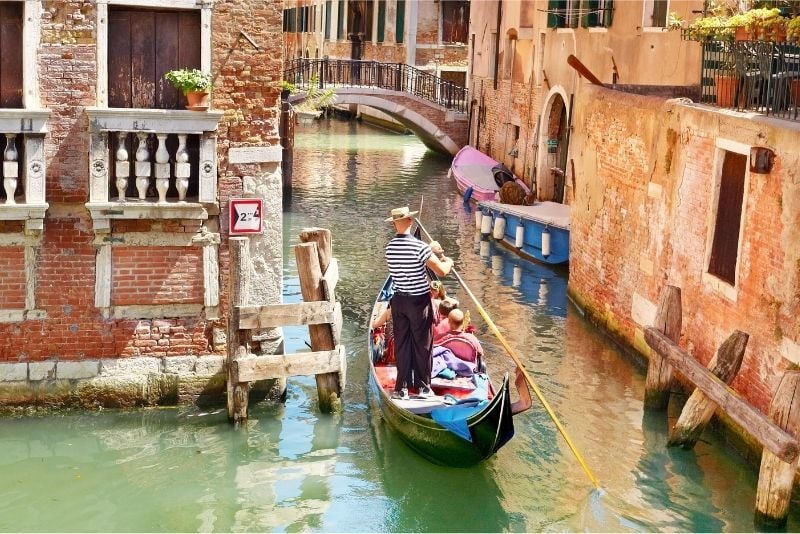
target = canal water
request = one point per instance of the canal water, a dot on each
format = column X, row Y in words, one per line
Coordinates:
column 295, row 469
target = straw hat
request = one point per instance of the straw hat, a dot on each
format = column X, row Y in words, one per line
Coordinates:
column 401, row 213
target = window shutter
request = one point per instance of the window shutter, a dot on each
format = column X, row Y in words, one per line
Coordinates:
column 591, row 17
column 381, row 20
column 328, row 6
column 11, row 54
column 400, row 21
column 608, row 13
column 340, row 19
column 553, row 19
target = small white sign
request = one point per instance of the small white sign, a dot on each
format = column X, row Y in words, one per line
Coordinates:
column 246, row 216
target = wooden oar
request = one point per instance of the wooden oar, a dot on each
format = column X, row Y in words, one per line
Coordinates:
column 520, row 367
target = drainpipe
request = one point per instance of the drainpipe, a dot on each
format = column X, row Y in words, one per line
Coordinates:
column 497, row 39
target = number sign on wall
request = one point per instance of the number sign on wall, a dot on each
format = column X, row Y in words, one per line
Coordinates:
column 246, row 216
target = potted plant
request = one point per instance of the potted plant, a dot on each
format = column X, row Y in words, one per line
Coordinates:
column 767, row 22
column 315, row 101
column 194, row 84
column 712, row 28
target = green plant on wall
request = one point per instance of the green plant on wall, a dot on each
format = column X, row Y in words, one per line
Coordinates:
column 316, row 98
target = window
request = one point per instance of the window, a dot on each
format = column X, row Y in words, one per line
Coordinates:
column 340, row 19
column 655, row 13
column 493, row 57
column 381, row 20
column 455, row 21
column 328, row 5
column 142, row 46
column 400, row 21
column 587, row 13
column 728, row 221
column 11, row 54
column 359, row 15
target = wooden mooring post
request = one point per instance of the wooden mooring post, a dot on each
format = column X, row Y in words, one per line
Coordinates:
column 776, row 477
column 776, row 433
column 320, row 312
column 659, row 373
column 699, row 409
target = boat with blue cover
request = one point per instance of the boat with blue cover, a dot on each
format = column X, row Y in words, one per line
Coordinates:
column 539, row 232
column 467, row 419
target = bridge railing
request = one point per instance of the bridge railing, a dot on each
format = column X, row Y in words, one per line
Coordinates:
column 393, row 76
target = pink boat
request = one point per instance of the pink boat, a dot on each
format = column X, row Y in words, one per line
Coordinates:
column 472, row 171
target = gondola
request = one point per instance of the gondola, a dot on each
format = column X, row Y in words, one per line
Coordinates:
column 465, row 422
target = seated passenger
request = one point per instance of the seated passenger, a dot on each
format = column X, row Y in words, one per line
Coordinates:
column 441, row 325
column 463, row 345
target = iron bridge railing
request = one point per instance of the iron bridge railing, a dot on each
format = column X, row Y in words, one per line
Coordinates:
column 760, row 76
column 393, row 76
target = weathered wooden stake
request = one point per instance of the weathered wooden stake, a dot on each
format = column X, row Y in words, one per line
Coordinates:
column 699, row 408
column 776, row 478
column 659, row 372
column 313, row 258
column 238, row 340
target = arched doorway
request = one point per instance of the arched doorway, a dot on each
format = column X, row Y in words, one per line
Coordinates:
column 555, row 139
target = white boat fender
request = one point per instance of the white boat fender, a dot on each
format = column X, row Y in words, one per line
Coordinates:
column 486, row 224
column 478, row 219
column 519, row 236
column 499, row 227
column 545, row 242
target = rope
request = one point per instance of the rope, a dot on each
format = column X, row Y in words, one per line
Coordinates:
column 521, row 368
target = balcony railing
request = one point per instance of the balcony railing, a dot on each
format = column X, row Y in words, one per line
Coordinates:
column 157, row 164
column 22, row 166
column 392, row 76
column 757, row 76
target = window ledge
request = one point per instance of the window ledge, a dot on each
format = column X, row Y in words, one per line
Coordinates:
column 719, row 286
column 24, row 121
column 654, row 29
column 152, row 120
column 598, row 29
column 22, row 212
column 142, row 209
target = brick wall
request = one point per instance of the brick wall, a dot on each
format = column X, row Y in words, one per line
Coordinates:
column 12, row 281
column 157, row 275
column 69, row 326
column 643, row 218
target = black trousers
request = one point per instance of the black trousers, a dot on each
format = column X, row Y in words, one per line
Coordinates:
column 412, row 318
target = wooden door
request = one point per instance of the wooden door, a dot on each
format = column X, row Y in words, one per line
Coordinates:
column 725, row 246
column 11, row 54
column 142, row 47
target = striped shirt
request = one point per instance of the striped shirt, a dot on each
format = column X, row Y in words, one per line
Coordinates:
column 406, row 256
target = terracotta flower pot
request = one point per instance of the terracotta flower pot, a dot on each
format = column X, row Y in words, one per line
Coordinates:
column 726, row 90
column 197, row 100
column 794, row 90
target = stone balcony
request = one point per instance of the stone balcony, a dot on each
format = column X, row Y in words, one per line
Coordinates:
column 152, row 164
column 22, row 134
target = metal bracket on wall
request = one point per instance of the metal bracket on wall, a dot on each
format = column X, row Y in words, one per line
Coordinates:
column 249, row 39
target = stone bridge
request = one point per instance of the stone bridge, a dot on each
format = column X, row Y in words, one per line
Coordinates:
column 434, row 109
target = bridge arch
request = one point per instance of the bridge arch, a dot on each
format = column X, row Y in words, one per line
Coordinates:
column 394, row 104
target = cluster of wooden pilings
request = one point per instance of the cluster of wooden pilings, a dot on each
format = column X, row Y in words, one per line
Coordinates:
column 318, row 272
column 776, row 432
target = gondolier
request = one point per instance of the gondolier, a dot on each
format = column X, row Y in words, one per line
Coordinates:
column 412, row 312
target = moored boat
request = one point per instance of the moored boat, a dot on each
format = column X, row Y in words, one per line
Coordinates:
column 539, row 232
column 478, row 176
column 466, row 420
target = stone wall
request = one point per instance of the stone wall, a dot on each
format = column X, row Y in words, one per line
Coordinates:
column 64, row 328
column 644, row 215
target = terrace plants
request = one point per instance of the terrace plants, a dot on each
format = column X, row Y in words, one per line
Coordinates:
column 193, row 83
column 315, row 101
column 793, row 29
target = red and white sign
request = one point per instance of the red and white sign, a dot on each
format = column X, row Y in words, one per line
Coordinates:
column 246, row 216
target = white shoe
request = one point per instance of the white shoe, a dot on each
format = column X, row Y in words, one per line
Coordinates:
column 425, row 392
column 400, row 395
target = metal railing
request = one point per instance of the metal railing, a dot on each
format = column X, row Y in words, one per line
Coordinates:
column 758, row 76
column 393, row 76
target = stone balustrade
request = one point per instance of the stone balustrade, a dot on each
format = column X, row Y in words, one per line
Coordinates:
column 155, row 164
column 22, row 198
